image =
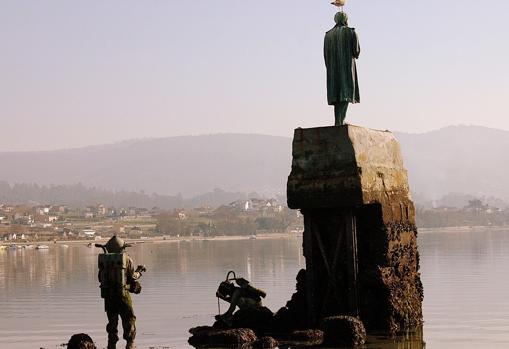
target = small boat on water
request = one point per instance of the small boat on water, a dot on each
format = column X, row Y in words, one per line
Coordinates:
column 252, row 237
column 29, row 247
column 14, row 247
column 42, row 247
column 64, row 246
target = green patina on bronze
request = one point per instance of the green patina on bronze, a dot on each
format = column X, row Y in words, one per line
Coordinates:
column 121, row 305
column 341, row 49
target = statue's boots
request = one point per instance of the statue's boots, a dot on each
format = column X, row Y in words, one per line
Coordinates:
column 112, row 345
column 130, row 345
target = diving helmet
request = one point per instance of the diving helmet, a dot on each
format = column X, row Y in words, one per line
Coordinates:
column 115, row 245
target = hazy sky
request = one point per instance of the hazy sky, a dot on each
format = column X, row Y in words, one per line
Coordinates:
column 82, row 72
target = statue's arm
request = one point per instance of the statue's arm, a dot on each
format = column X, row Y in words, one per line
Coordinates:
column 131, row 273
column 356, row 45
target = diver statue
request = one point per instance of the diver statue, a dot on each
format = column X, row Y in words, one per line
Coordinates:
column 242, row 295
column 118, row 278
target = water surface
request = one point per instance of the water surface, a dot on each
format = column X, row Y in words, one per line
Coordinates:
column 46, row 296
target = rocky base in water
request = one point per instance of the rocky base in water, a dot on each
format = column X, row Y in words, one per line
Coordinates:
column 213, row 337
column 338, row 331
column 260, row 328
column 343, row 331
column 81, row 341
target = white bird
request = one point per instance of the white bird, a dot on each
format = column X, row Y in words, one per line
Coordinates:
column 339, row 3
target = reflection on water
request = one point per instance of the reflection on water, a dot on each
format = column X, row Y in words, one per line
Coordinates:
column 45, row 296
column 465, row 275
column 410, row 340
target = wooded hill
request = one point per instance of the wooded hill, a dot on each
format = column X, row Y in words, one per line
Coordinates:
column 458, row 159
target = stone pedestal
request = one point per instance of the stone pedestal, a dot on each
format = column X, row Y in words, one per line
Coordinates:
column 360, row 239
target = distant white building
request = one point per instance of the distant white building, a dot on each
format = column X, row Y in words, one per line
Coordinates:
column 101, row 210
column 88, row 233
column 43, row 210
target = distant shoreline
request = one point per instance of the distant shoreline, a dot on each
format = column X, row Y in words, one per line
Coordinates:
column 264, row 236
column 160, row 239
column 464, row 229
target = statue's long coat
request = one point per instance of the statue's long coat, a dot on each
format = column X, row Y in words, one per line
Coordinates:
column 341, row 49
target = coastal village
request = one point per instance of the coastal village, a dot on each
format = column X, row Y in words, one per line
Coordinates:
column 476, row 213
column 250, row 217
column 32, row 223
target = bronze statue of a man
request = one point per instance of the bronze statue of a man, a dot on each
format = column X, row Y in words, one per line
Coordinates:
column 341, row 49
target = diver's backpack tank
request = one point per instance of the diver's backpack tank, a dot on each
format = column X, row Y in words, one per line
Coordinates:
column 253, row 293
column 112, row 273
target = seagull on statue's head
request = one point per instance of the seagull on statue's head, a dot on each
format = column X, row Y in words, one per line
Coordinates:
column 339, row 3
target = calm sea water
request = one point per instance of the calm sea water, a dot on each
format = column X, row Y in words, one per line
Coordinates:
column 46, row 296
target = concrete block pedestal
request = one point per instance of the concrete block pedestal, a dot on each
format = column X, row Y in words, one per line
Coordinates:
column 360, row 239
